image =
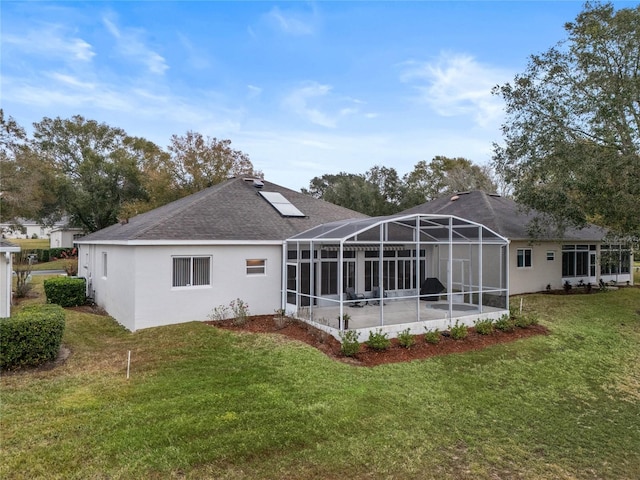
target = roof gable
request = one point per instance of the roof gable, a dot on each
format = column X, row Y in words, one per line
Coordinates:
column 232, row 210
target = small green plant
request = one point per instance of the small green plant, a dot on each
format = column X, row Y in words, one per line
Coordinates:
column 458, row 331
column 349, row 343
column 484, row 327
column 378, row 340
column 345, row 321
column 432, row 336
column 240, row 311
column 567, row 286
column 505, row 323
column 405, row 339
column 221, row 312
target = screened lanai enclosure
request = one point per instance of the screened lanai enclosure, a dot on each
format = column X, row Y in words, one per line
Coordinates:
column 397, row 272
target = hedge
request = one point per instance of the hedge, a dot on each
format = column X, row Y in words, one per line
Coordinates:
column 32, row 336
column 65, row 291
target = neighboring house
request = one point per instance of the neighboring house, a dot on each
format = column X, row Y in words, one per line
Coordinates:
column 6, row 278
column 25, row 228
column 178, row 262
column 575, row 256
column 64, row 237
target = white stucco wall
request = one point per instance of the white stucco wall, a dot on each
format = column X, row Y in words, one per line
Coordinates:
column 138, row 291
column 542, row 272
column 62, row 238
column 158, row 303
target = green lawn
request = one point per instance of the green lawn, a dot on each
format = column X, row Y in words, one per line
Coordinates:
column 208, row 403
column 30, row 243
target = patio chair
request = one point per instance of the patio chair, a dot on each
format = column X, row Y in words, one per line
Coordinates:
column 375, row 296
column 355, row 299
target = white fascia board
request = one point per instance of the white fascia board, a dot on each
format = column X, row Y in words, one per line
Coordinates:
column 180, row 242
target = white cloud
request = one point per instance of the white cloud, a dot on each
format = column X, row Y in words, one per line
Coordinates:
column 131, row 45
column 457, row 84
column 315, row 102
column 51, row 41
column 290, row 23
column 253, row 91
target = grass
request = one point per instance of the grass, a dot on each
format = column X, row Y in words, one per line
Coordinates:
column 208, row 403
column 30, row 243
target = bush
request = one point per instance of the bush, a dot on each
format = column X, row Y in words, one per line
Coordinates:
column 240, row 311
column 484, row 327
column 432, row 336
column 349, row 343
column 459, row 332
column 65, row 291
column 405, row 339
column 505, row 323
column 526, row 320
column 378, row 340
column 32, row 336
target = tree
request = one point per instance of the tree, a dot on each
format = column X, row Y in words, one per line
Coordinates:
column 348, row 190
column 442, row 176
column 95, row 169
column 571, row 136
column 24, row 180
column 201, row 162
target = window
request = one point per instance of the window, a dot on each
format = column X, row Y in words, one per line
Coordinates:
column 614, row 259
column 191, row 271
column 551, row 255
column 575, row 260
column 523, row 257
column 104, row 264
column 256, row 267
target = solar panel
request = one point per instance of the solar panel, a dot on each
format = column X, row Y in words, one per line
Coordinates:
column 281, row 204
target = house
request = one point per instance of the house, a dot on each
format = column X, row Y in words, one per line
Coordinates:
column 26, row 228
column 180, row 261
column 274, row 248
column 64, row 237
column 6, row 278
column 549, row 260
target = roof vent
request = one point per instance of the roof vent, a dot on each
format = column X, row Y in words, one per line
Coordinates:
column 454, row 198
column 258, row 183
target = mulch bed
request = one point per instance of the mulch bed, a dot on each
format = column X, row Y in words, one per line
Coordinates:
column 368, row 357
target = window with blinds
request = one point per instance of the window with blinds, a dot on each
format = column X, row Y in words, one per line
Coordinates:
column 191, row 271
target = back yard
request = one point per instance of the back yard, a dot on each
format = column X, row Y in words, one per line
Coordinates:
column 204, row 402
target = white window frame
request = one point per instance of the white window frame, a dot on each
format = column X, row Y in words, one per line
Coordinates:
column 551, row 255
column 104, row 264
column 256, row 266
column 524, row 257
column 180, row 280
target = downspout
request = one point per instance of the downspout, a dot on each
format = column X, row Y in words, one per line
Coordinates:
column 450, row 270
column 283, row 263
column 7, row 258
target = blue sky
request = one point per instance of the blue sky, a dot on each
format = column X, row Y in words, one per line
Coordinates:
column 304, row 88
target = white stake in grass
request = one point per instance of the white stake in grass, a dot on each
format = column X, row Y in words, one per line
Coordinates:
column 128, row 363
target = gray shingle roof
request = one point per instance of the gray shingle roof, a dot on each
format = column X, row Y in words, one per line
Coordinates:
column 502, row 215
column 232, row 210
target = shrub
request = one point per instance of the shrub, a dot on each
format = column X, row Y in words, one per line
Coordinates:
column 484, row 327
column 567, row 286
column 280, row 319
column 32, row 336
column 221, row 312
column 240, row 311
column 65, row 291
column 432, row 336
column 526, row 320
column 349, row 343
column 459, row 332
column 505, row 323
column 405, row 339
column 378, row 340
